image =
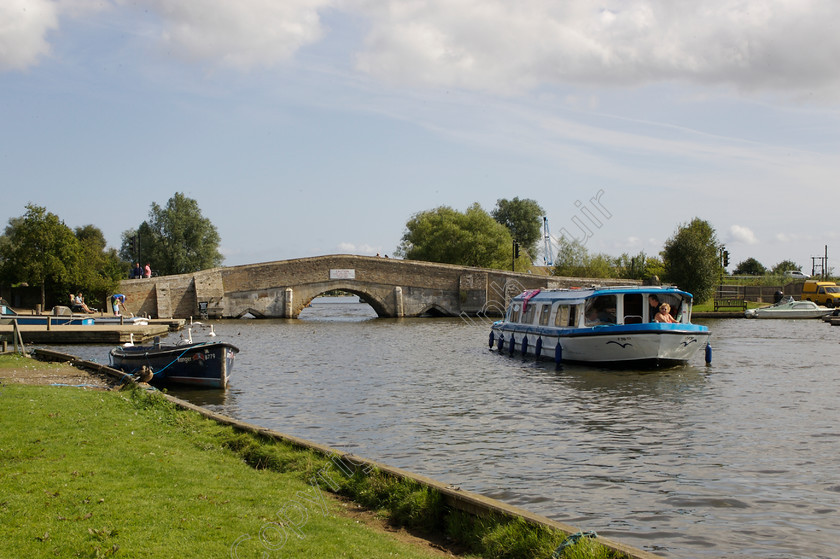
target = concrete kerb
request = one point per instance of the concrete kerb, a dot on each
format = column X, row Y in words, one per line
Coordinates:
column 459, row 499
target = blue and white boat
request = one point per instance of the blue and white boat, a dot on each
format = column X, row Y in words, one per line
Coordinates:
column 601, row 325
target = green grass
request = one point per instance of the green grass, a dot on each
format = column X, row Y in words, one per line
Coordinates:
column 18, row 361
column 99, row 474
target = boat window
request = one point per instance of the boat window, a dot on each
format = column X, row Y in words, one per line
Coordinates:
column 514, row 313
column 561, row 319
column 633, row 304
column 528, row 317
column 546, row 310
column 573, row 315
column 600, row 310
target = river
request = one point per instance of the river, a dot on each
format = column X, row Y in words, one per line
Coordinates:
column 735, row 459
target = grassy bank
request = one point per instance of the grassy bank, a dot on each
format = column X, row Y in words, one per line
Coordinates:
column 98, row 474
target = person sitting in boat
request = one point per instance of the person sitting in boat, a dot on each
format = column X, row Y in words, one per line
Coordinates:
column 653, row 301
column 664, row 314
column 599, row 312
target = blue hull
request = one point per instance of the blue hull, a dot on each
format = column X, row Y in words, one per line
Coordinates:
column 200, row 364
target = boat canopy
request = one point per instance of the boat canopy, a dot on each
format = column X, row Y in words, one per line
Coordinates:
column 585, row 308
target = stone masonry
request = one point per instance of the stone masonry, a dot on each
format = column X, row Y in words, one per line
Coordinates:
column 281, row 289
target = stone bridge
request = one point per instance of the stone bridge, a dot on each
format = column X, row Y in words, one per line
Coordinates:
column 282, row 289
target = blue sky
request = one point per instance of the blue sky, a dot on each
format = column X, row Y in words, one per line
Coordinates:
column 310, row 127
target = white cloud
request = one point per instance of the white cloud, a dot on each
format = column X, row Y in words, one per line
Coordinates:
column 512, row 46
column 241, row 34
column 741, row 234
column 24, row 25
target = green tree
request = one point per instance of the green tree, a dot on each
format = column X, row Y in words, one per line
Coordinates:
column 471, row 238
column 176, row 239
column 749, row 267
column 523, row 219
column 692, row 260
column 785, row 266
column 39, row 249
column 573, row 260
column 100, row 268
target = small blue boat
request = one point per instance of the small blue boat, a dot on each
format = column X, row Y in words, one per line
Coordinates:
column 602, row 325
column 7, row 313
column 201, row 364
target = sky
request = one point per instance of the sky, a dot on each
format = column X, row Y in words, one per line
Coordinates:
column 312, row 127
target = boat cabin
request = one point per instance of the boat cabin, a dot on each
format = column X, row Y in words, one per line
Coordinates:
column 570, row 308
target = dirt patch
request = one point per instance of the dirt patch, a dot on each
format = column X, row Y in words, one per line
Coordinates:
column 32, row 371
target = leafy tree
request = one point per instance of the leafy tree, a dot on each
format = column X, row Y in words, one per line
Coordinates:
column 750, row 267
column 471, row 238
column 39, row 249
column 785, row 266
column 574, row 260
column 524, row 220
column 100, row 268
column 691, row 258
column 176, row 239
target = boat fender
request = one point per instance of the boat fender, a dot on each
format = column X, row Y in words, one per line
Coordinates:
column 708, row 353
column 558, row 352
column 501, row 345
column 512, row 347
column 524, row 346
column 538, row 348
column 491, row 339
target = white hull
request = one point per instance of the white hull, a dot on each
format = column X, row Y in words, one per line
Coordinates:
column 643, row 346
column 790, row 309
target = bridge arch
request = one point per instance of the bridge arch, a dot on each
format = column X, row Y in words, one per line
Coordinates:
column 364, row 295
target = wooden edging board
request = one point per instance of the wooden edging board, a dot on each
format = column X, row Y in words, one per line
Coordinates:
column 466, row 501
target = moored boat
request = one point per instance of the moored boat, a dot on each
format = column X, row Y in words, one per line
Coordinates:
column 201, row 364
column 602, row 325
column 789, row 308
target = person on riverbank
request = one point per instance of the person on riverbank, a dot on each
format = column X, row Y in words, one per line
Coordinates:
column 79, row 302
column 117, row 301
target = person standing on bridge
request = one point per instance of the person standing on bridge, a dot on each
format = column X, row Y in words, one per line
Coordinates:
column 147, row 272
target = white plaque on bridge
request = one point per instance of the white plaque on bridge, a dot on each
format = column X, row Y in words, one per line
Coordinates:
column 342, row 274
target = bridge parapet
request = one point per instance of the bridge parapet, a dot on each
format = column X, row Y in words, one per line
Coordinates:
column 282, row 289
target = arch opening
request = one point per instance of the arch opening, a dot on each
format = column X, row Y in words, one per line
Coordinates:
column 340, row 305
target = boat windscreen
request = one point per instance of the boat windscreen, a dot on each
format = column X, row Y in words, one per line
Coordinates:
column 600, row 310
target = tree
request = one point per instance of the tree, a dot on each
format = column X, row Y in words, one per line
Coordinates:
column 523, row 219
column 750, row 267
column 176, row 239
column 39, row 249
column 472, row 238
column 100, row 268
column 785, row 266
column 692, row 260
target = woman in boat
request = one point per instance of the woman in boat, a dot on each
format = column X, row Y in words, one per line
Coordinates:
column 664, row 314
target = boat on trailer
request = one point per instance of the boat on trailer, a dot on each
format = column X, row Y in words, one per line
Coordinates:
column 602, row 325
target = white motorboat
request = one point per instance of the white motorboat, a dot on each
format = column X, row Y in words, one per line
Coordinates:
column 601, row 325
column 789, row 308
